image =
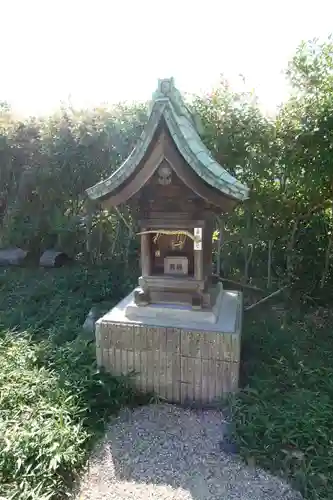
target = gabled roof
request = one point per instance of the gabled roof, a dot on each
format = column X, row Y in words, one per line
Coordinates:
column 167, row 104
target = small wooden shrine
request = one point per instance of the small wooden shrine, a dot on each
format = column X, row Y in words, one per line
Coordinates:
column 174, row 187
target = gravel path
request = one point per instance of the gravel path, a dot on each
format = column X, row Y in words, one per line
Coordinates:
column 164, row 452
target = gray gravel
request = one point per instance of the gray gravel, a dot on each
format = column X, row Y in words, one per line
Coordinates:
column 164, row 452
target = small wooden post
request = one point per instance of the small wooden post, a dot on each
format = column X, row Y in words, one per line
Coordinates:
column 198, row 256
column 145, row 254
column 220, row 227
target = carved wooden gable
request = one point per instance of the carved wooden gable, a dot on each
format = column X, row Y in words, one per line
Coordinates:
column 166, row 192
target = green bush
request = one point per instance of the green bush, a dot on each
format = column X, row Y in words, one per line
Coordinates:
column 42, row 434
column 53, row 401
column 284, row 416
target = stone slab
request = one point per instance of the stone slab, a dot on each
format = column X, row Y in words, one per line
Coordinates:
column 168, row 312
column 12, row 256
column 225, row 315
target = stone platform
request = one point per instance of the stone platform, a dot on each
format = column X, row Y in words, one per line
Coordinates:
column 184, row 356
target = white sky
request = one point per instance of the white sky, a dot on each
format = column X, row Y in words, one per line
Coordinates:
column 105, row 51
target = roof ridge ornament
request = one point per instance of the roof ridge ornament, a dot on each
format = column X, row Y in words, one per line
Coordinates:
column 166, row 90
column 166, row 85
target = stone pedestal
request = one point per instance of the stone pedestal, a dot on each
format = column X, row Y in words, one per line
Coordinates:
column 184, row 356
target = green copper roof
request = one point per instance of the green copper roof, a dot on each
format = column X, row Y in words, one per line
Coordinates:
column 167, row 102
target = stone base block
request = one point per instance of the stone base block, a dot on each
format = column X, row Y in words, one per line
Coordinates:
column 181, row 358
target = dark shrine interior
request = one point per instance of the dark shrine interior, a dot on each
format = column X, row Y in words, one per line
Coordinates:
column 167, row 245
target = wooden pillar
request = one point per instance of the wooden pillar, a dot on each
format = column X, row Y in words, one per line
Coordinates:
column 198, row 265
column 208, row 247
column 145, row 255
column 198, row 260
column 220, row 242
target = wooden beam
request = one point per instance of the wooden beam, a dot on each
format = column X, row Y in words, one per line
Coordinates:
column 240, row 284
column 165, row 223
column 146, row 264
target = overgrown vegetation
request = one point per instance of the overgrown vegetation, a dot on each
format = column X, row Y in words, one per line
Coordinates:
column 50, row 393
column 53, row 403
column 284, row 415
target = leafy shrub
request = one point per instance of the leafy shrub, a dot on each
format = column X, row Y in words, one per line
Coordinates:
column 284, row 415
column 53, row 402
column 42, row 435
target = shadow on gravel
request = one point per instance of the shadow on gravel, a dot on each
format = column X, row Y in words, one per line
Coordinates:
column 165, row 452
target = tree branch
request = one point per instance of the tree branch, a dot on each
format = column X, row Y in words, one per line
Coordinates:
column 261, row 301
